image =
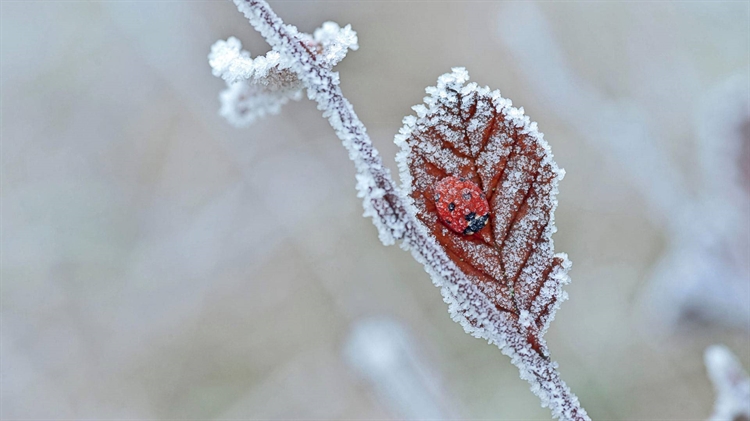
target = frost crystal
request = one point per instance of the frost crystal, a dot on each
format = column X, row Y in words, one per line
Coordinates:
column 702, row 279
column 261, row 85
column 533, row 275
column 512, row 281
column 731, row 383
column 470, row 132
column 336, row 41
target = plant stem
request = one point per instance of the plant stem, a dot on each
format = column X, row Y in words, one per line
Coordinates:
column 396, row 220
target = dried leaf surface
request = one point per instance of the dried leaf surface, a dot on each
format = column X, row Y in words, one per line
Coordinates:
column 512, row 321
column 475, row 134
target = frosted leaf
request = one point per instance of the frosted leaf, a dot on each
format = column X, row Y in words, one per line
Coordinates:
column 702, row 279
column 731, row 384
column 395, row 215
column 261, row 85
column 475, row 134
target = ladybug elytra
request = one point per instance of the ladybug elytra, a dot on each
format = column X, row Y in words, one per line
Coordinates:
column 461, row 205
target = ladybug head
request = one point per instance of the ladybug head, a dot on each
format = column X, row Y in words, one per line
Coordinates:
column 461, row 205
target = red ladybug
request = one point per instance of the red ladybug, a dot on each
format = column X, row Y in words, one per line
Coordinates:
column 461, row 205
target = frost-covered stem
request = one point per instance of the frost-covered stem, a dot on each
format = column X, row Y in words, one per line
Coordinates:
column 323, row 87
column 385, row 204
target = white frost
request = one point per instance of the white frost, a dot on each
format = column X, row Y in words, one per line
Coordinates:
column 703, row 275
column 436, row 115
column 336, row 41
column 467, row 304
column 395, row 217
column 262, row 85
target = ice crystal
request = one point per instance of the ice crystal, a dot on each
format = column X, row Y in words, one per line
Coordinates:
column 262, row 85
column 335, row 41
column 473, row 133
column 509, row 281
column 486, row 300
column 702, row 277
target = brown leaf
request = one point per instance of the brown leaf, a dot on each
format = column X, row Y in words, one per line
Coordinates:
column 474, row 134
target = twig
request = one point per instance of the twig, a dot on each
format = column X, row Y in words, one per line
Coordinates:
column 396, row 220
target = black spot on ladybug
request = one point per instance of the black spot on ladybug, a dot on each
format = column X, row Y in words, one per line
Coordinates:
column 475, row 224
column 451, row 206
column 437, row 197
column 467, row 196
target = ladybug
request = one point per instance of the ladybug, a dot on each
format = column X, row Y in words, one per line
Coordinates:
column 461, row 205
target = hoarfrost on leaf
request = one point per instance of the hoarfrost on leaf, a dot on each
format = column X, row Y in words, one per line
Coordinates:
column 702, row 278
column 474, row 134
column 511, row 280
column 508, row 265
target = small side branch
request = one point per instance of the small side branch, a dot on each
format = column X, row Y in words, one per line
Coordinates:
column 396, row 219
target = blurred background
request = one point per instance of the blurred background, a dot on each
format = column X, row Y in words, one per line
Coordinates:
column 160, row 264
